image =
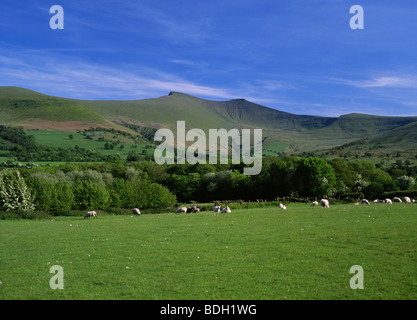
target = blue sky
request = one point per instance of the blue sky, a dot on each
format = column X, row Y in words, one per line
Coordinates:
column 299, row 56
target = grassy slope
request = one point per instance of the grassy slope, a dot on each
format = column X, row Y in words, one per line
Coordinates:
column 281, row 130
column 300, row 253
column 18, row 105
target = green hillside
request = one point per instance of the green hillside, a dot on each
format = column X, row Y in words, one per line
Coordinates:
column 282, row 131
column 29, row 108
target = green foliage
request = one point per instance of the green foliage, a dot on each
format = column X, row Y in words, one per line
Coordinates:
column 89, row 195
column 316, row 177
column 147, row 185
column 405, row 182
column 140, row 194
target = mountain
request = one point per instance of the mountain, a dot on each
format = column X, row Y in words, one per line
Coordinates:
column 282, row 131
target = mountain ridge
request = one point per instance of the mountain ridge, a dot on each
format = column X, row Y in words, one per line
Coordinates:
column 283, row 131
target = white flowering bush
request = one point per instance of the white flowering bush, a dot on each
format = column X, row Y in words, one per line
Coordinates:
column 14, row 193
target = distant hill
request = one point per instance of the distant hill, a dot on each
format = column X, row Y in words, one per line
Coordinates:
column 282, row 131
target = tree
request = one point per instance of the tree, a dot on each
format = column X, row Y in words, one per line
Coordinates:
column 405, row 182
column 90, row 195
column 14, row 193
column 315, row 176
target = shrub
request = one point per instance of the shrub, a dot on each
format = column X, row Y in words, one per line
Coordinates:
column 14, row 193
column 90, row 195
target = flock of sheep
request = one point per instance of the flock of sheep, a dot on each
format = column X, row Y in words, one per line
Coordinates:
column 387, row 201
column 325, row 203
column 217, row 209
column 194, row 209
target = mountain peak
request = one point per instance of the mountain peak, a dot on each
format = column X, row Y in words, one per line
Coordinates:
column 174, row 93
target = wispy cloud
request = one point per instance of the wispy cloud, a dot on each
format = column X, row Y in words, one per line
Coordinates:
column 74, row 79
column 382, row 82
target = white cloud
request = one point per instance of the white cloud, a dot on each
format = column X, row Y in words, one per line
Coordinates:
column 382, row 82
column 89, row 81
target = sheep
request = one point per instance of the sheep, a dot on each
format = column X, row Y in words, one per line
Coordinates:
column 407, row 200
column 280, row 206
column 136, row 211
column 364, row 201
column 90, row 214
column 324, row 203
column 193, row 209
column 314, row 203
column 226, row 210
column 414, row 201
column 377, row 201
column 216, row 210
column 181, row 209
column 396, row 199
column 388, row 201
column 284, row 207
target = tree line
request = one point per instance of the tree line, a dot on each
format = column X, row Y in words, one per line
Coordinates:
column 74, row 186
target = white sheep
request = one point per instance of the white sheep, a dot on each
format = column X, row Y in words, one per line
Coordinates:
column 216, row 210
column 314, row 203
column 324, row 203
column 364, row 201
column 407, row 200
column 226, row 210
column 90, row 214
column 396, row 199
column 136, row 211
column 388, row 201
column 181, row 209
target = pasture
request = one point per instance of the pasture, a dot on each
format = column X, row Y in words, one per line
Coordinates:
column 299, row 253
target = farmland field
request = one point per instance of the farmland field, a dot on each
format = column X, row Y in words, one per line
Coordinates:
column 268, row 253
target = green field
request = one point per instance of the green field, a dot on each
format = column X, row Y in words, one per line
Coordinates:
column 299, row 253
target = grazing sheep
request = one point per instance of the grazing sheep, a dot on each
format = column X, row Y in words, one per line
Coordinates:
column 280, row 205
column 413, row 201
column 324, row 203
column 314, row 203
column 376, row 201
column 193, row 209
column 226, row 210
column 396, row 199
column 181, row 209
column 284, row 207
column 407, row 200
column 136, row 211
column 388, row 201
column 364, row 201
column 217, row 210
column 90, row 214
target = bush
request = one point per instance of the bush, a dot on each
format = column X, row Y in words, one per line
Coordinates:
column 90, row 195
column 14, row 193
column 22, row 214
column 140, row 194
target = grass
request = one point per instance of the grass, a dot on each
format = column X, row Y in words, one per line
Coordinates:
column 61, row 139
column 300, row 253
